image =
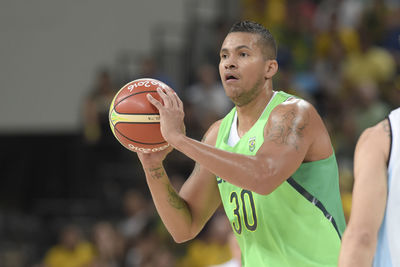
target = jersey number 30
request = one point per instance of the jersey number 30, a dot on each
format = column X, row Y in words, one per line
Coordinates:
column 245, row 201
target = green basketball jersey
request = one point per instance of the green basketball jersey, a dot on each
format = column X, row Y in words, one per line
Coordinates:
column 300, row 223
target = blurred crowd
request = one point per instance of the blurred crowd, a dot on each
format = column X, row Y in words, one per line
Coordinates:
column 341, row 55
column 139, row 239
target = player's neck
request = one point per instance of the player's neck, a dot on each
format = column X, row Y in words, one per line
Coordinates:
column 250, row 113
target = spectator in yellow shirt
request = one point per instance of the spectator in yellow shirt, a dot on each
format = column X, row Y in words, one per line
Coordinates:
column 71, row 251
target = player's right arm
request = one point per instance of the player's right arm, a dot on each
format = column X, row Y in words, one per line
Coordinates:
column 185, row 213
column 369, row 197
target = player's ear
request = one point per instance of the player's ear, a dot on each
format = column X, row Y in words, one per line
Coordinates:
column 271, row 67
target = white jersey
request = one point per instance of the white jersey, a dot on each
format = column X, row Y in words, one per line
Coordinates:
column 388, row 247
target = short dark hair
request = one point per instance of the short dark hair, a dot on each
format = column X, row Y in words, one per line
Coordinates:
column 266, row 38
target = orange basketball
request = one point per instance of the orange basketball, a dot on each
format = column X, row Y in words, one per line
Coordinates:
column 134, row 121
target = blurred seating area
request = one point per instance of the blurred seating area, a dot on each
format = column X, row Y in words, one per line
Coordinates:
column 80, row 199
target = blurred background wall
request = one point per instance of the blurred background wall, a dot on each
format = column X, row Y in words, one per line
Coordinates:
column 51, row 49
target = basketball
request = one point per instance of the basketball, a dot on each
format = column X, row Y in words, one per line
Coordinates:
column 134, row 121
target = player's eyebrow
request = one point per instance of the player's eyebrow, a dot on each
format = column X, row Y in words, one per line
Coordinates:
column 236, row 48
column 242, row 46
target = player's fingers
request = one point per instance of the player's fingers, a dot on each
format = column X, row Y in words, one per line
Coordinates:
column 178, row 100
column 166, row 99
column 154, row 101
column 172, row 96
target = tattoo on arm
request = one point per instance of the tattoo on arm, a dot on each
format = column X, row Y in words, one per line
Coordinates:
column 288, row 129
column 157, row 173
column 386, row 127
column 174, row 199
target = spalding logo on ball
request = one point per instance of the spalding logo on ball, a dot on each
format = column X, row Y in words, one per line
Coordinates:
column 134, row 121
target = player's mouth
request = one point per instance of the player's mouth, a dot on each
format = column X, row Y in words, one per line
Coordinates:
column 231, row 77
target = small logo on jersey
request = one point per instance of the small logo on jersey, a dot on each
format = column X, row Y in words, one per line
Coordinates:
column 220, row 180
column 252, row 144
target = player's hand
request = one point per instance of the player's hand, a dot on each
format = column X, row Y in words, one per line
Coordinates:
column 171, row 114
column 153, row 159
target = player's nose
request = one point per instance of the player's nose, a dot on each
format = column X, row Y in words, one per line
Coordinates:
column 230, row 64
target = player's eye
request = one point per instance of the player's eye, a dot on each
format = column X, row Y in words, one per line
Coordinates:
column 243, row 54
column 224, row 56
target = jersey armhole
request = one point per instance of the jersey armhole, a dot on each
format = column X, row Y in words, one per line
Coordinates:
column 391, row 141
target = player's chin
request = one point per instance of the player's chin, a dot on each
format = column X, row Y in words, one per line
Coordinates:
column 233, row 93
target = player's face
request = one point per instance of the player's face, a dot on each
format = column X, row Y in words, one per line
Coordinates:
column 242, row 67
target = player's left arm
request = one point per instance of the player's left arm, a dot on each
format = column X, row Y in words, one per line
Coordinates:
column 289, row 140
column 369, row 196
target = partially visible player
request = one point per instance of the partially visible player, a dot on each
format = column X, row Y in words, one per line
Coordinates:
column 372, row 237
column 270, row 162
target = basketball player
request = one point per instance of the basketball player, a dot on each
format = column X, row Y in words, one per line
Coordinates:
column 270, row 162
column 373, row 234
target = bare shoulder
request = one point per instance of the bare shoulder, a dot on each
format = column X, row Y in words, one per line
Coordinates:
column 292, row 112
column 295, row 122
column 375, row 139
column 210, row 137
